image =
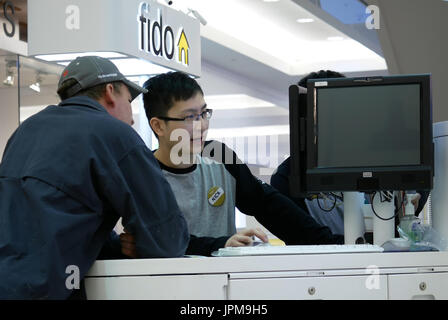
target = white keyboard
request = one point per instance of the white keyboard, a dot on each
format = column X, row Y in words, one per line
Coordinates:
column 263, row 250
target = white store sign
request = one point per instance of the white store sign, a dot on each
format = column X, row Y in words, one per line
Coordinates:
column 142, row 29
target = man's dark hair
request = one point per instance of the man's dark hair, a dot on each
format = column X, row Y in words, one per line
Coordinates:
column 95, row 92
column 166, row 89
column 320, row 75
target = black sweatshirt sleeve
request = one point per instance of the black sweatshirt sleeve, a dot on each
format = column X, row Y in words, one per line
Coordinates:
column 280, row 181
column 204, row 246
column 272, row 209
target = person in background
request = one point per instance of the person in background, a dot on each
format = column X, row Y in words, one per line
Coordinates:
column 68, row 174
column 328, row 212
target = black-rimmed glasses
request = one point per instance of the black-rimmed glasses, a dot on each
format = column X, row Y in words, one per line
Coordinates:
column 206, row 115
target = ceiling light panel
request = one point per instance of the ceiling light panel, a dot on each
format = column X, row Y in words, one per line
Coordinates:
column 305, row 20
column 72, row 56
column 235, row 102
column 274, row 130
column 133, row 67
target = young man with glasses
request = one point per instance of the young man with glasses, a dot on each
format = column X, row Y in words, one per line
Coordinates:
column 209, row 180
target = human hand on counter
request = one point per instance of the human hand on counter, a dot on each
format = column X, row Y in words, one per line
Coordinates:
column 244, row 237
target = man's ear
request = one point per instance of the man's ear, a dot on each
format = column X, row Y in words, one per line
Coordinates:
column 108, row 98
column 158, row 126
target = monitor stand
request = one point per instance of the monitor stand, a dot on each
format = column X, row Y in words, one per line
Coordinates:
column 354, row 227
column 353, row 218
column 383, row 220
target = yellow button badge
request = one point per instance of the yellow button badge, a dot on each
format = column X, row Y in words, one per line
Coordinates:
column 216, row 196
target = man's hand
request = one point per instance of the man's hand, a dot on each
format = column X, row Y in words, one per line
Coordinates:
column 244, row 237
column 128, row 245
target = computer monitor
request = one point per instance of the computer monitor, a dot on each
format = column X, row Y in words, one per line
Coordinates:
column 361, row 134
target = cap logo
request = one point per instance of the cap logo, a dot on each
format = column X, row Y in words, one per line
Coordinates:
column 102, row 76
column 65, row 73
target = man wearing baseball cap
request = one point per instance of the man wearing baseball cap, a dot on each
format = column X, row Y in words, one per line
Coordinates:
column 68, row 174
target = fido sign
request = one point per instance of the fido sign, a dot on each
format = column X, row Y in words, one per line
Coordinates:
column 138, row 29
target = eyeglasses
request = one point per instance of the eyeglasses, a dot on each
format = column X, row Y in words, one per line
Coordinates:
column 206, row 115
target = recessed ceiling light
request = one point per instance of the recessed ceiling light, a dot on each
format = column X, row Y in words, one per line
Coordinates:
column 305, row 20
column 335, row 38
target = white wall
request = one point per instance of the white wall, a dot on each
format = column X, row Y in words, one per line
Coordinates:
column 217, row 80
column 413, row 39
column 272, row 112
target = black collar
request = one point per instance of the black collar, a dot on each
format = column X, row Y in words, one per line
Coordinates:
column 176, row 170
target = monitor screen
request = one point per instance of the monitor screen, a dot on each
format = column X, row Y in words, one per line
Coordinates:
column 368, row 126
column 361, row 134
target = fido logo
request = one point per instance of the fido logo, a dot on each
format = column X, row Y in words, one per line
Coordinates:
column 159, row 39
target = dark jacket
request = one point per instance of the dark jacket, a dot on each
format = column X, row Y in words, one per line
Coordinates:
column 68, row 173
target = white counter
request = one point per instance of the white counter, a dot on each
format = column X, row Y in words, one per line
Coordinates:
column 404, row 275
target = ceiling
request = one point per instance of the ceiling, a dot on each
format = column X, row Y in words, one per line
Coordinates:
column 268, row 22
column 269, row 32
column 224, row 49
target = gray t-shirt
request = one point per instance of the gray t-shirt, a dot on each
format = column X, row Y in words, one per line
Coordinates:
column 210, row 208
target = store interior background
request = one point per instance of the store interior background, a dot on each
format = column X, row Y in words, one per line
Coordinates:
column 252, row 50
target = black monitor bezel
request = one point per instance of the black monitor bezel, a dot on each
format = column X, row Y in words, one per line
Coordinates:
column 364, row 179
column 297, row 141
